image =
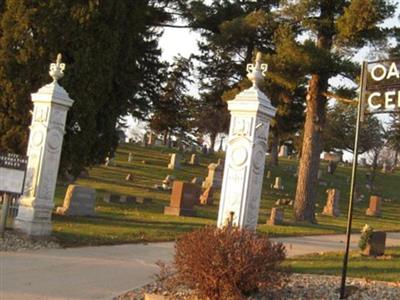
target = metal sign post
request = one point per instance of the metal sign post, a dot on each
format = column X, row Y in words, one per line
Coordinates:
column 384, row 76
column 353, row 180
column 12, row 179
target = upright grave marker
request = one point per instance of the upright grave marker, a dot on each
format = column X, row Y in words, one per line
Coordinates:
column 51, row 104
column 251, row 114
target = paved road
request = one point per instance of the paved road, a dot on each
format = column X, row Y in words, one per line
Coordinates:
column 105, row 271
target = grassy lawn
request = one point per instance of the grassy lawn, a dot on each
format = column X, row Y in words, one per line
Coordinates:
column 386, row 268
column 123, row 223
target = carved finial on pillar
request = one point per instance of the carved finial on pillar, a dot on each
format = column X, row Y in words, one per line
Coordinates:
column 57, row 69
column 257, row 71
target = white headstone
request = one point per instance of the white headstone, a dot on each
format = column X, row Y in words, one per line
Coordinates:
column 283, row 151
column 193, row 160
column 175, row 161
column 51, row 104
column 251, row 114
column 278, row 183
column 214, row 178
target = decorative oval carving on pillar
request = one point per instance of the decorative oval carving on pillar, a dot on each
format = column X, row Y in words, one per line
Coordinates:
column 37, row 138
column 239, row 155
column 55, row 140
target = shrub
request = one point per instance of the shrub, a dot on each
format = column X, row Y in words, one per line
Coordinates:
column 228, row 263
column 366, row 234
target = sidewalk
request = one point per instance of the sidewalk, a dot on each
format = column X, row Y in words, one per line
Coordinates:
column 106, row 271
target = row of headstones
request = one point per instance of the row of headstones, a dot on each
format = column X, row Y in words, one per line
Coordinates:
column 330, row 209
column 175, row 160
column 81, row 201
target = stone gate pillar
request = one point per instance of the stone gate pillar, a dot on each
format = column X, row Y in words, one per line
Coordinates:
column 51, row 104
column 251, row 114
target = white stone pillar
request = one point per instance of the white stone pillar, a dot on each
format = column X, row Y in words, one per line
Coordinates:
column 51, row 104
column 251, row 114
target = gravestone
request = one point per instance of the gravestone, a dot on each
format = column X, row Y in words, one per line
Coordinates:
column 197, row 180
column 207, row 197
column 332, row 203
column 183, row 197
column 319, row 176
column 278, row 184
column 283, row 151
column 167, row 182
column 151, row 138
column 116, row 198
column 175, row 161
column 269, row 174
column 214, row 177
column 363, row 162
column 276, row 217
column 78, row 201
column 376, row 244
column 143, row 200
column 130, row 157
column 251, row 113
column 129, row 177
column 374, row 208
column 193, row 160
column 109, row 162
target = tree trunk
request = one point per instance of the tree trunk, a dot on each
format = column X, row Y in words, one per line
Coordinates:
column 213, row 137
column 274, row 161
column 307, row 183
column 165, row 137
column 306, row 192
column 374, row 168
column 396, row 158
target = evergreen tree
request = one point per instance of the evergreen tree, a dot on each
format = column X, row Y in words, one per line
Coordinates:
column 172, row 112
column 113, row 68
column 331, row 31
column 230, row 32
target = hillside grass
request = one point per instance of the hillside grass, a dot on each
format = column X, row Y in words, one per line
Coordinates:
column 131, row 223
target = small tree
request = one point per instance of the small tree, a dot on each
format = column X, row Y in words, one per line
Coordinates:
column 393, row 137
column 339, row 133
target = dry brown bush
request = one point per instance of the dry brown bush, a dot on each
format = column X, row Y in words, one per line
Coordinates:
column 228, row 263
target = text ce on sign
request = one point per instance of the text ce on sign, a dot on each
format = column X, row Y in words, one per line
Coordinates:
column 382, row 87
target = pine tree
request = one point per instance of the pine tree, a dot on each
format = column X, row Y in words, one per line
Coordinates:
column 171, row 113
column 230, row 32
column 112, row 58
column 334, row 30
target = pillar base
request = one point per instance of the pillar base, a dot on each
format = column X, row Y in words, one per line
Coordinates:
column 33, row 221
